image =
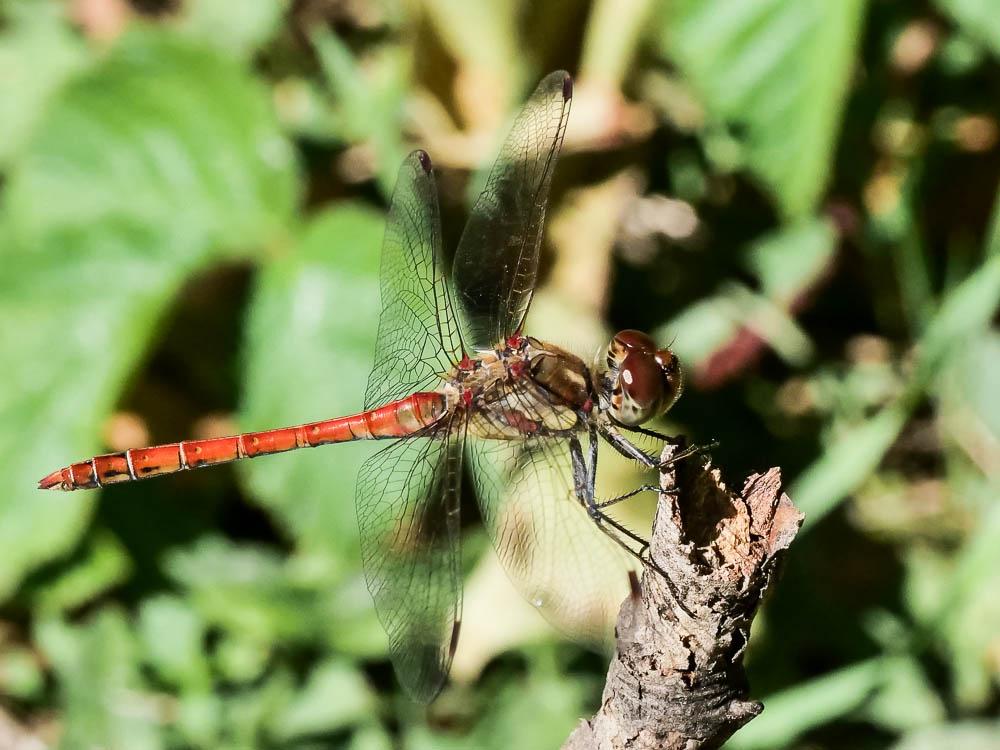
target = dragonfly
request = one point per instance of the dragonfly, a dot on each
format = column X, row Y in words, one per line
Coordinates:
column 461, row 389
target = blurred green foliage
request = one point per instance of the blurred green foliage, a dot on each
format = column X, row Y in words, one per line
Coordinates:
column 800, row 194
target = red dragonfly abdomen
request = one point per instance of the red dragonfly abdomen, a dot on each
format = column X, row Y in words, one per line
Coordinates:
column 394, row 420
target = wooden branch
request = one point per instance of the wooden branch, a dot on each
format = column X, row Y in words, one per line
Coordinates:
column 677, row 679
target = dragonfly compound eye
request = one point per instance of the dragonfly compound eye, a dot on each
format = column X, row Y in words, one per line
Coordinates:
column 646, row 382
column 643, row 388
column 631, row 340
column 673, row 376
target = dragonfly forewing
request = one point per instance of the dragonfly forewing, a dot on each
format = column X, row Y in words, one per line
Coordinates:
column 418, row 337
column 497, row 258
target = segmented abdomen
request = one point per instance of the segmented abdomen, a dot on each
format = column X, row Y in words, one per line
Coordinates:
column 394, row 420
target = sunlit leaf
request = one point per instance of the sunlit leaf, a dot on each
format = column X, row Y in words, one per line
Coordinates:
column 98, row 671
column 241, row 589
column 142, row 171
column 906, row 699
column 956, row 599
column 335, row 696
column 539, row 712
column 792, row 712
column 967, row 735
column 368, row 102
column 102, row 563
column 963, row 314
column 310, row 341
column 789, row 261
column 485, row 635
column 199, row 716
column 214, row 21
column 856, row 452
column 241, row 658
column 371, row 738
column 482, row 36
column 842, row 468
column 172, row 636
column 969, row 388
column 786, row 263
column 977, row 18
column 702, row 329
column 37, row 55
column 248, row 712
column 21, row 673
column 776, row 72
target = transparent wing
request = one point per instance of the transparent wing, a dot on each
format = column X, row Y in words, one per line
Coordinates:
column 553, row 552
column 408, row 514
column 418, row 336
column 497, row 258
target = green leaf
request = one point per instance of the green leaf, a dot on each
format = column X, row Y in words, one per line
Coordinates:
column 258, row 600
column 172, row 636
column 977, row 18
column 21, row 673
column 199, row 716
column 371, row 738
column 38, row 54
column 538, row 712
column 792, row 712
column 964, row 313
column 369, row 101
column 145, row 169
column 240, row 33
column 906, row 698
column 786, row 262
column 334, row 697
column 959, row 603
column 103, row 563
column 845, row 464
column 97, row 669
column 969, row 386
column 790, row 260
column 779, row 69
column 241, row 659
column 710, row 324
column 247, row 712
column 967, row 735
column 310, row 338
column 702, row 329
column 241, row 589
column 481, row 36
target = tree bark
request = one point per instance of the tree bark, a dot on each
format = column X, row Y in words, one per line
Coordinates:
column 677, row 679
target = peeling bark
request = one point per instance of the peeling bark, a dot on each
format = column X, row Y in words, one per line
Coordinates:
column 677, row 679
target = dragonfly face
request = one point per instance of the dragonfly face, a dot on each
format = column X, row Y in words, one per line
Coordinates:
column 635, row 380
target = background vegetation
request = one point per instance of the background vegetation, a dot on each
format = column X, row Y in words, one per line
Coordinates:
column 800, row 194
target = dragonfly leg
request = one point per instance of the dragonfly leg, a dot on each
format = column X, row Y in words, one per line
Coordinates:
column 644, row 488
column 630, row 450
column 606, row 523
column 691, row 450
column 592, row 475
column 627, row 448
column 583, row 480
column 583, row 486
column 650, row 433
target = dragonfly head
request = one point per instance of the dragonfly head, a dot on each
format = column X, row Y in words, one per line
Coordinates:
column 637, row 380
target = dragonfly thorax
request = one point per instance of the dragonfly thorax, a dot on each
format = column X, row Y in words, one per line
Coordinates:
column 530, row 388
